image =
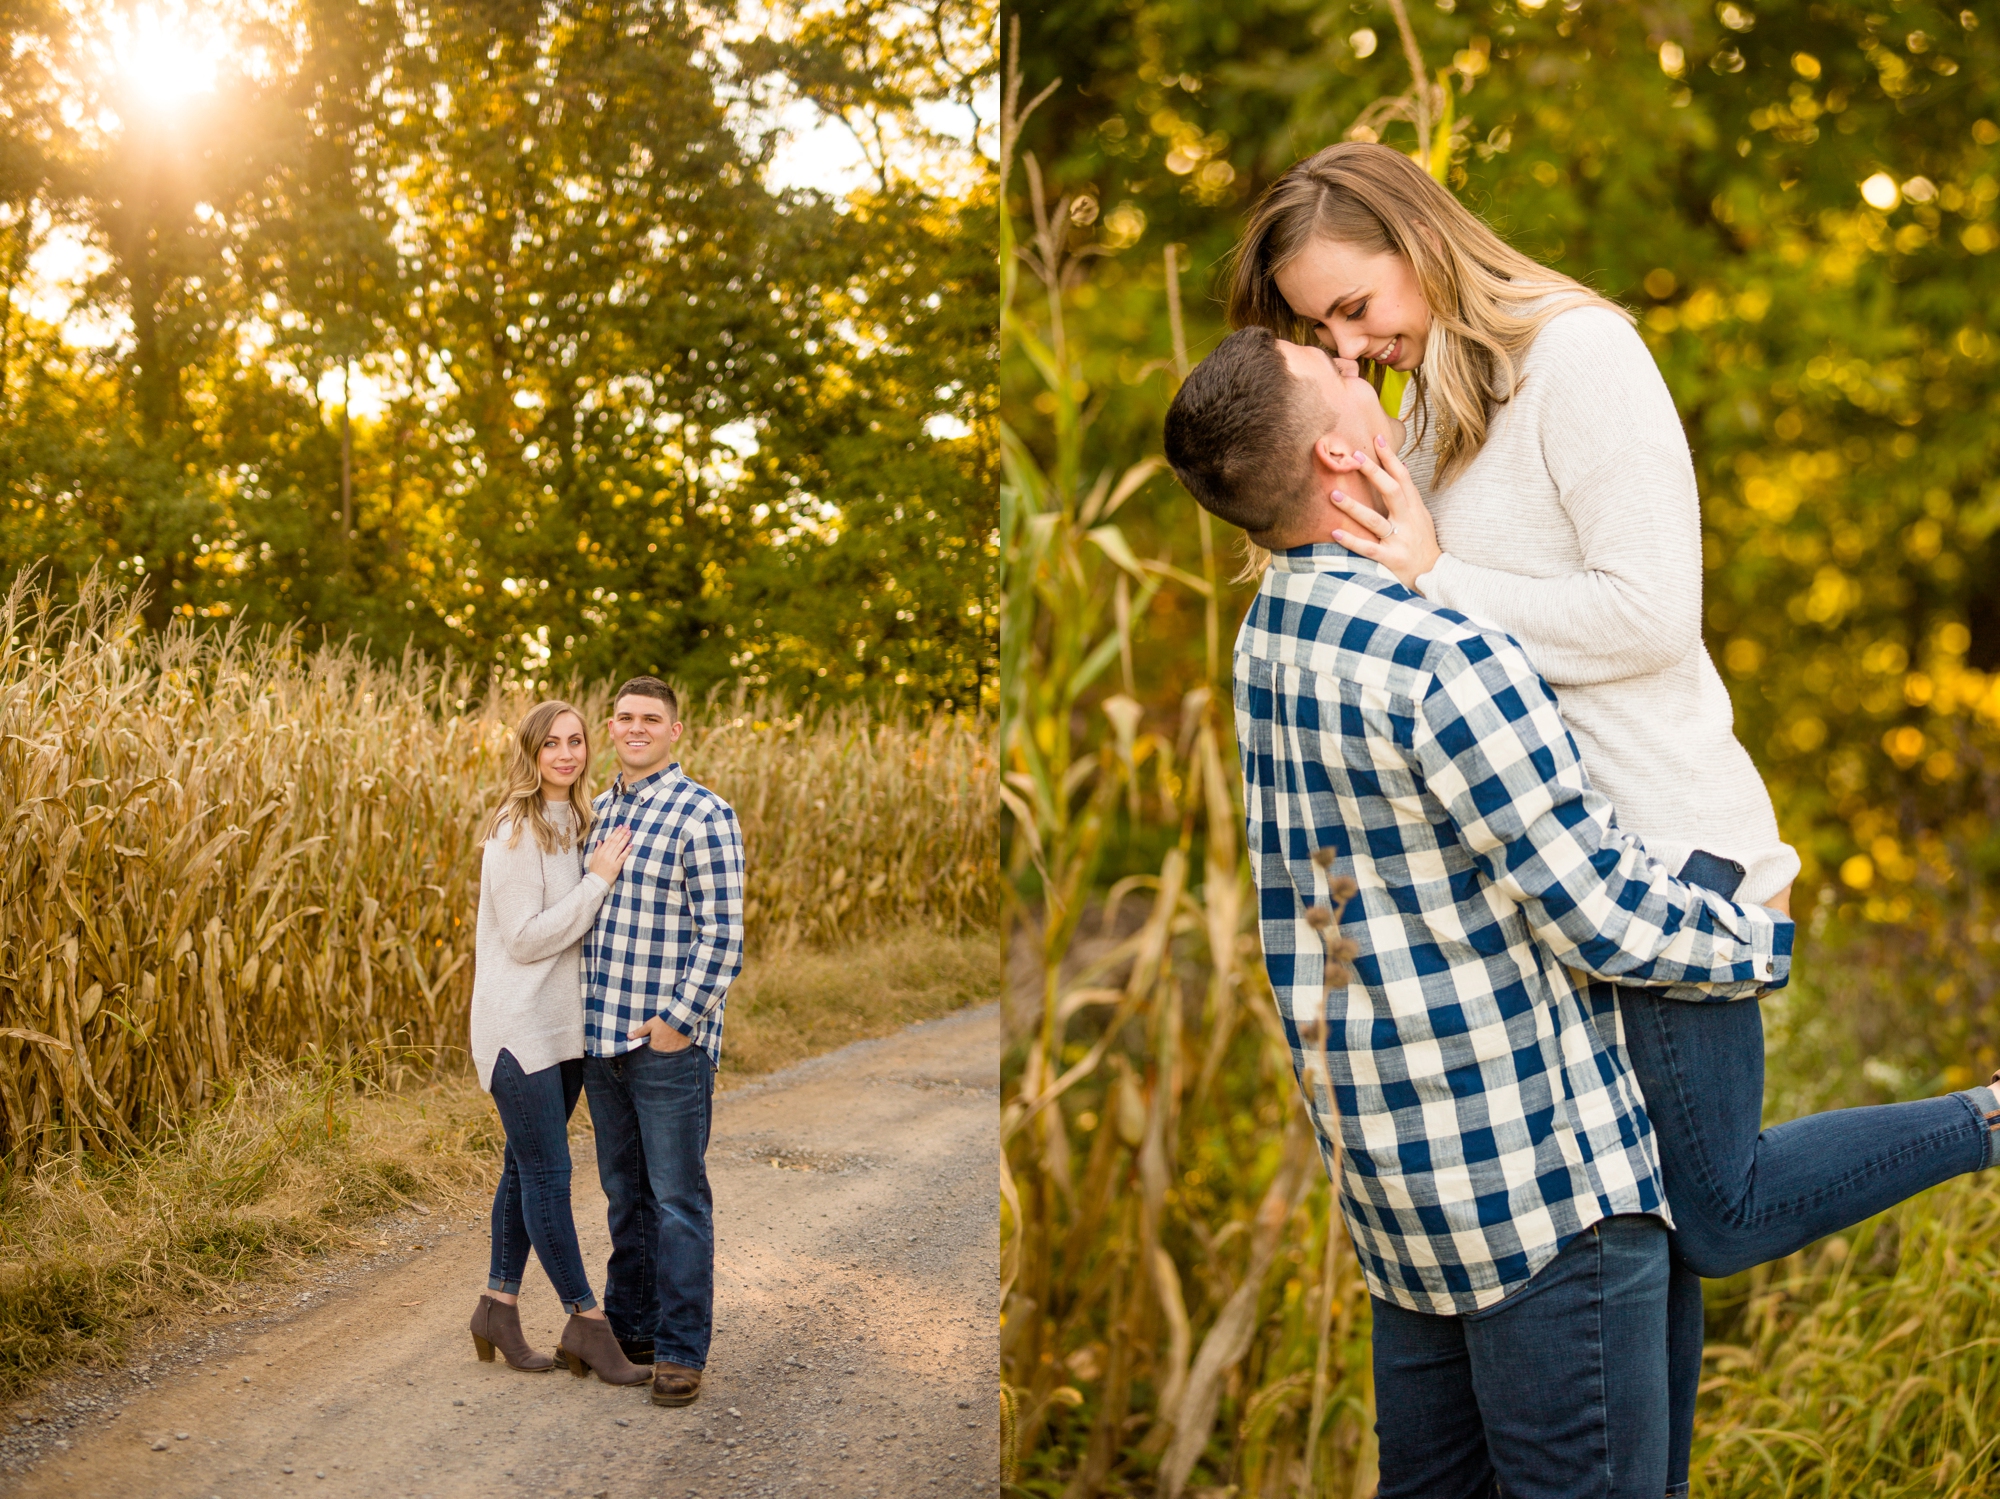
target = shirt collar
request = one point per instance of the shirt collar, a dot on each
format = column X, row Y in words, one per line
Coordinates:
column 658, row 778
column 1328, row 557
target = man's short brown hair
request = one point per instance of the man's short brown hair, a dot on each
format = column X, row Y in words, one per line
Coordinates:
column 1240, row 433
column 649, row 687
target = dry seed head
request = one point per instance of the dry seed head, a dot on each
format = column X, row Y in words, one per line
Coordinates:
column 1323, row 857
column 1318, row 918
column 1342, row 888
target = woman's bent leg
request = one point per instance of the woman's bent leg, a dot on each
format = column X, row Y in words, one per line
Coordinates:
column 1741, row 1195
column 535, row 1109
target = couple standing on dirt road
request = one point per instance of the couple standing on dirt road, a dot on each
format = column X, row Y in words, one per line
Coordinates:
column 609, row 932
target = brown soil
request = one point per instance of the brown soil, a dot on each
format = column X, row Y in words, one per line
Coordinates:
column 856, row 1343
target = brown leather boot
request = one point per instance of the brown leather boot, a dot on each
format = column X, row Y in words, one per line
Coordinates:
column 675, row 1384
column 588, row 1344
column 497, row 1324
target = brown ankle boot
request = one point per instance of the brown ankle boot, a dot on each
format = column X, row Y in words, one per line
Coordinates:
column 675, row 1384
column 589, row 1344
column 497, row 1324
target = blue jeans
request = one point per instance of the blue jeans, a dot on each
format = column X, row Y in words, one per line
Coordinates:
column 531, row 1204
column 1557, row 1392
column 652, row 1111
column 1741, row 1194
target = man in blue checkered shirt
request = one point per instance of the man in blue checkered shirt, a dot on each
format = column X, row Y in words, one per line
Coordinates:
column 656, row 968
column 1500, row 1181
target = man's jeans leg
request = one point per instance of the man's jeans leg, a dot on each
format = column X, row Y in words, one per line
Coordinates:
column 1558, row 1392
column 631, row 1300
column 652, row 1145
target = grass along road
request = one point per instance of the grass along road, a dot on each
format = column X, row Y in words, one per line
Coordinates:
column 855, row 1353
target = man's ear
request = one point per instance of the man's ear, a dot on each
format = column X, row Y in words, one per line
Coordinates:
column 1329, row 447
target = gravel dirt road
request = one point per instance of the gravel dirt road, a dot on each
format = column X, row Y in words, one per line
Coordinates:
column 856, row 1345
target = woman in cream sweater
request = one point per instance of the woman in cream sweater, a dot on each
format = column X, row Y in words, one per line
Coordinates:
column 536, row 901
column 1546, row 449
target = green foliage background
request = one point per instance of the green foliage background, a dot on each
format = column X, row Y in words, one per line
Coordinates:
column 645, row 412
column 1836, row 363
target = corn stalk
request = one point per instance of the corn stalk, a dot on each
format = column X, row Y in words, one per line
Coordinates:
column 1175, row 1301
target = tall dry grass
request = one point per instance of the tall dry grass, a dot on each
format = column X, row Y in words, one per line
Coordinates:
column 218, row 849
column 1181, row 1311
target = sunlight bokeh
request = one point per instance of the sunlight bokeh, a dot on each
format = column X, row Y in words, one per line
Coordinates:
column 167, row 53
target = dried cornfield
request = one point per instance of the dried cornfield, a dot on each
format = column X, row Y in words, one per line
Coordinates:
column 219, row 849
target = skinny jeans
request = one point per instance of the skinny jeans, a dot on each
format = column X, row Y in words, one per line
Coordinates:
column 531, row 1206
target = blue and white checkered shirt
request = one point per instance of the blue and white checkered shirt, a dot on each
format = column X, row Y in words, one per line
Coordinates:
column 1487, row 1111
column 669, row 937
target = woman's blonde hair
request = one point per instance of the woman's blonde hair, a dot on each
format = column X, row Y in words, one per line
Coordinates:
column 522, row 806
column 1487, row 300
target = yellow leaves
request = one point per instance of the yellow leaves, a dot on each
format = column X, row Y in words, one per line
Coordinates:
column 1743, row 656
column 1832, row 594
column 1904, row 745
column 1924, row 539
column 1857, row 872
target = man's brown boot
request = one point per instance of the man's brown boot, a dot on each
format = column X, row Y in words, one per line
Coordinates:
column 588, row 1344
column 497, row 1324
column 675, row 1384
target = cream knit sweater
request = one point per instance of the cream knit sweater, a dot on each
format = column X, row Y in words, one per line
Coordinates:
column 527, row 979
column 1577, row 530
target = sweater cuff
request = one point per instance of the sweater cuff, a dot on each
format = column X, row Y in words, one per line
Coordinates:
column 1431, row 584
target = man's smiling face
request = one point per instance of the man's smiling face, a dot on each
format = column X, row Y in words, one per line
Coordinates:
column 642, row 734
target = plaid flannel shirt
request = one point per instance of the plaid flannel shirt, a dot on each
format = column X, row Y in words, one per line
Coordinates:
column 669, row 937
column 1486, row 1109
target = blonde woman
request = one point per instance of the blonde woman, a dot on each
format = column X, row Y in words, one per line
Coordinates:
column 1549, row 493
column 536, row 900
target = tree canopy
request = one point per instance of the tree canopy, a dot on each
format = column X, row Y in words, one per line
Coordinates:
column 482, row 328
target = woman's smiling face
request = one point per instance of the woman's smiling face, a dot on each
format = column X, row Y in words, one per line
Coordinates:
column 562, row 755
column 1365, row 306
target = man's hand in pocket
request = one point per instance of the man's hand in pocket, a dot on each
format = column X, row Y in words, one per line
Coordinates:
column 661, row 1036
